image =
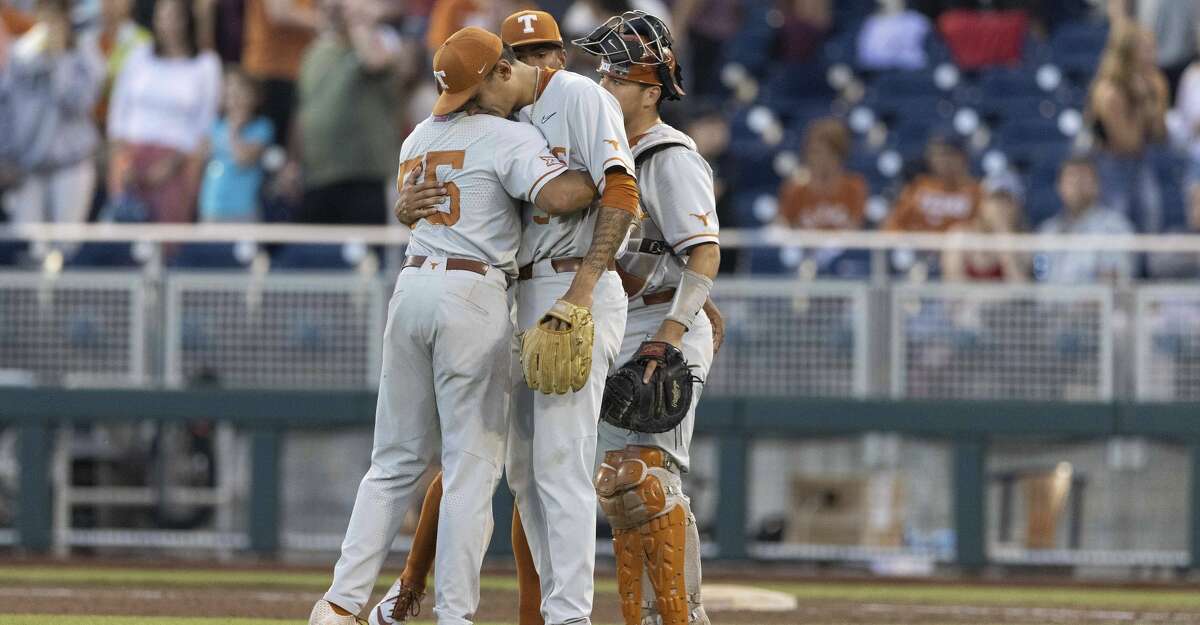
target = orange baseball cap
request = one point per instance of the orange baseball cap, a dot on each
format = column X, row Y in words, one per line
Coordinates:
column 525, row 28
column 461, row 65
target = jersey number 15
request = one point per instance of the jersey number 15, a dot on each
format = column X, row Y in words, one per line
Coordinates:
column 450, row 158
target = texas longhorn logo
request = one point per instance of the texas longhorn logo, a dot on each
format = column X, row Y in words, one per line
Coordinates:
column 440, row 77
column 528, row 21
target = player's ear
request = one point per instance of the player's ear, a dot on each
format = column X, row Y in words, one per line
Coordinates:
column 650, row 96
column 503, row 70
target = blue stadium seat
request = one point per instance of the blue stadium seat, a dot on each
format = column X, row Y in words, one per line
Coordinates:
column 1041, row 203
column 754, row 169
column 796, row 86
column 309, row 257
column 1076, row 47
column 11, row 251
column 751, row 46
column 1016, row 108
column 903, row 83
column 771, row 260
column 97, row 255
column 206, row 256
column 1031, row 141
column 1008, row 83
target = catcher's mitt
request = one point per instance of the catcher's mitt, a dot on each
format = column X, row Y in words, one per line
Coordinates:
column 557, row 361
column 655, row 407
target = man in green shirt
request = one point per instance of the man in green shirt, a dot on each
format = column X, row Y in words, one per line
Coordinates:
column 348, row 139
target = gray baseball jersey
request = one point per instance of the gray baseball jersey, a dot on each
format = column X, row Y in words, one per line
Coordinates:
column 584, row 127
column 489, row 165
column 680, row 212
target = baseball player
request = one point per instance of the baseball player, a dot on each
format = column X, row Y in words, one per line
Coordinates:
column 535, row 39
column 668, row 269
column 447, row 344
column 553, row 436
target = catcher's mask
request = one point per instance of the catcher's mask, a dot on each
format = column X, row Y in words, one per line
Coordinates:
column 635, row 46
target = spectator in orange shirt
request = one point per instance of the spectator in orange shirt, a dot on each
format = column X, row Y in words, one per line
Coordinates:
column 277, row 33
column 943, row 198
column 824, row 196
column 14, row 21
column 448, row 16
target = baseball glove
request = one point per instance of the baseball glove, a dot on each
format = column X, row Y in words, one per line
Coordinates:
column 557, row 361
column 649, row 408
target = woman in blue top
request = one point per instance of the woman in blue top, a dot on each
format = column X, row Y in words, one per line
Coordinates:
column 234, row 174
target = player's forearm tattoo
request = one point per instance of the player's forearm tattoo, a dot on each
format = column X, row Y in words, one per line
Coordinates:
column 611, row 226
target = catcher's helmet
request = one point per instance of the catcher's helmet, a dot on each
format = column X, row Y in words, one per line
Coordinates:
column 636, row 46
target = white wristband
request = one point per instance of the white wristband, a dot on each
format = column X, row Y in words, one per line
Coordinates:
column 689, row 298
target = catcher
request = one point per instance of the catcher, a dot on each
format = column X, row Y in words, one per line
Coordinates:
column 649, row 407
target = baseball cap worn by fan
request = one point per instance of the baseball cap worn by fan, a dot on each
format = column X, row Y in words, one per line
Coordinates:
column 525, row 28
column 461, row 65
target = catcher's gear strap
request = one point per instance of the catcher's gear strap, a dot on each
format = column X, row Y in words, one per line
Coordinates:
column 620, row 191
column 659, row 137
column 689, row 297
column 559, row 360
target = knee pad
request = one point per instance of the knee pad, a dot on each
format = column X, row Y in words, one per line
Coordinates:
column 637, row 484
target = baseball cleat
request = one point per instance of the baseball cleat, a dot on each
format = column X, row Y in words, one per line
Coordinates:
column 323, row 614
column 400, row 602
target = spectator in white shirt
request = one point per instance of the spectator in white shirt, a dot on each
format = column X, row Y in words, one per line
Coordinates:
column 893, row 38
column 1079, row 190
column 164, row 103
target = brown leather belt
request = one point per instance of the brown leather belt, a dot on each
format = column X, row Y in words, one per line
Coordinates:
column 452, row 264
column 658, row 297
column 566, row 264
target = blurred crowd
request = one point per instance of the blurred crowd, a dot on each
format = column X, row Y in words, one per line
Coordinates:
column 169, row 111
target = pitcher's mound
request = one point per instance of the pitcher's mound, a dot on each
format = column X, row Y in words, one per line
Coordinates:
column 733, row 598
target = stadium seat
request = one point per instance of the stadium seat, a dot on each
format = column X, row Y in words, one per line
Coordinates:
column 1076, row 48
column 751, row 46
column 300, row 257
column 11, row 251
column 793, row 87
column 102, row 255
column 1015, row 108
column 754, row 169
column 206, row 256
column 1008, row 83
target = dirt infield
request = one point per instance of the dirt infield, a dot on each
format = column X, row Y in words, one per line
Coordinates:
column 288, row 594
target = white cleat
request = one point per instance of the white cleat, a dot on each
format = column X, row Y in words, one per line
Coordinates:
column 397, row 606
column 323, row 614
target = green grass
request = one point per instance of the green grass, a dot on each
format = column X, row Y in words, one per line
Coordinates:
column 879, row 592
column 951, row 594
column 97, row 576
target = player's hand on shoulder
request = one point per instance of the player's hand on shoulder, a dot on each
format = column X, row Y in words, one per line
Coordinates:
column 418, row 200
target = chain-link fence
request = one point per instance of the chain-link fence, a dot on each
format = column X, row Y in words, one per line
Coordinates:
column 290, row 331
column 80, row 329
column 1002, row 342
column 789, row 338
column 1168, row 343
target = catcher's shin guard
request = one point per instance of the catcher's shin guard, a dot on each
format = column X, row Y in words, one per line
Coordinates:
column 653, row 532
column 627, row 546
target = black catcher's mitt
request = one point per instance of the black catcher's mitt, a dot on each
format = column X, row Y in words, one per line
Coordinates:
column 650, row 408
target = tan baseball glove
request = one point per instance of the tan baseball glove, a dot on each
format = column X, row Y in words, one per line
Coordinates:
column 559, row 360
